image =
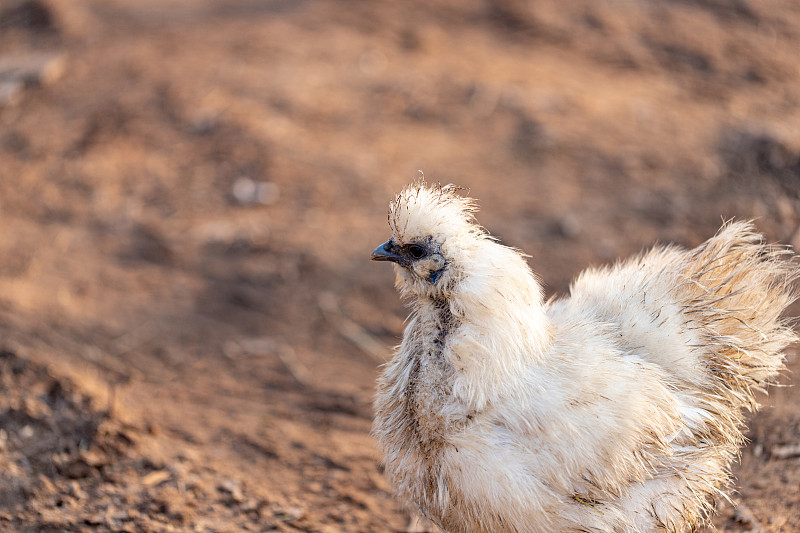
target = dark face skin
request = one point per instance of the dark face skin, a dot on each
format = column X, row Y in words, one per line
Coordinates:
column 403, row 255
column 411, row 255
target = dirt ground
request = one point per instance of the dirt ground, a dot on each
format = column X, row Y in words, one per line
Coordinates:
column 190, row 327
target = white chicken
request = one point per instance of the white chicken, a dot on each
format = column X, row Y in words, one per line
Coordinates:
column 615, row 409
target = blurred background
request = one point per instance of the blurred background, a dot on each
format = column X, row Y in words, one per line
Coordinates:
column 190, row 327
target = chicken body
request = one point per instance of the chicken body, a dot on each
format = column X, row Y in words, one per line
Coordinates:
column 615, row 409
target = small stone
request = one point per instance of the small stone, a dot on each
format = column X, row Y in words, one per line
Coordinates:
column 289, row 515
column 32, row 70
column 94, row 457
column 76, row 491
column 155, row 478
column 95, row 519
column 758, row 450
column 743, row 515
column 78, row 469
column 245, row 191
column 19, row 71
column 251, row 505
column 233, row 488
column 788, row 451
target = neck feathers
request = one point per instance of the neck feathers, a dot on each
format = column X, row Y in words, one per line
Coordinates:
column 500, row 324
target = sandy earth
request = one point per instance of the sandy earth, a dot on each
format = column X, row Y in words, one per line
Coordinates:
column 189, row 190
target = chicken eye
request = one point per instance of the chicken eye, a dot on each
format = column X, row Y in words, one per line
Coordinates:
column 416, row 251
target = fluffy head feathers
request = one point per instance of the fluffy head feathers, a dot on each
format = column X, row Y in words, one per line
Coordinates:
column 434, row 211
column 436, row 240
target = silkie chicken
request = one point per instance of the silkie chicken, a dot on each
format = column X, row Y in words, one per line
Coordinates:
column 618, row 408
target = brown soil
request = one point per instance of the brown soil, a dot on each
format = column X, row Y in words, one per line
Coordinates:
column 178, row 353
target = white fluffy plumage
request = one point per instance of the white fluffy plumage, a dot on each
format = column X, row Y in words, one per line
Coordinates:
column 618, row 408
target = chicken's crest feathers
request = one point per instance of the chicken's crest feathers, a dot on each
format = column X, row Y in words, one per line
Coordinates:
column 433, row 210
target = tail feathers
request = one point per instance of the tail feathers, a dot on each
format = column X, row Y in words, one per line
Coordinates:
column 736, row 289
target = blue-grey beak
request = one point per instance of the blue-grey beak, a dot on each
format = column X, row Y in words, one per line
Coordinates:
column 385, row 252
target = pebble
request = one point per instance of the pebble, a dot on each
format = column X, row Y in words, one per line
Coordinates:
column 233, row 488
column 245, row 191
column 155, row 478
column 19, row 71
column 743, row 515
column 788, row 451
